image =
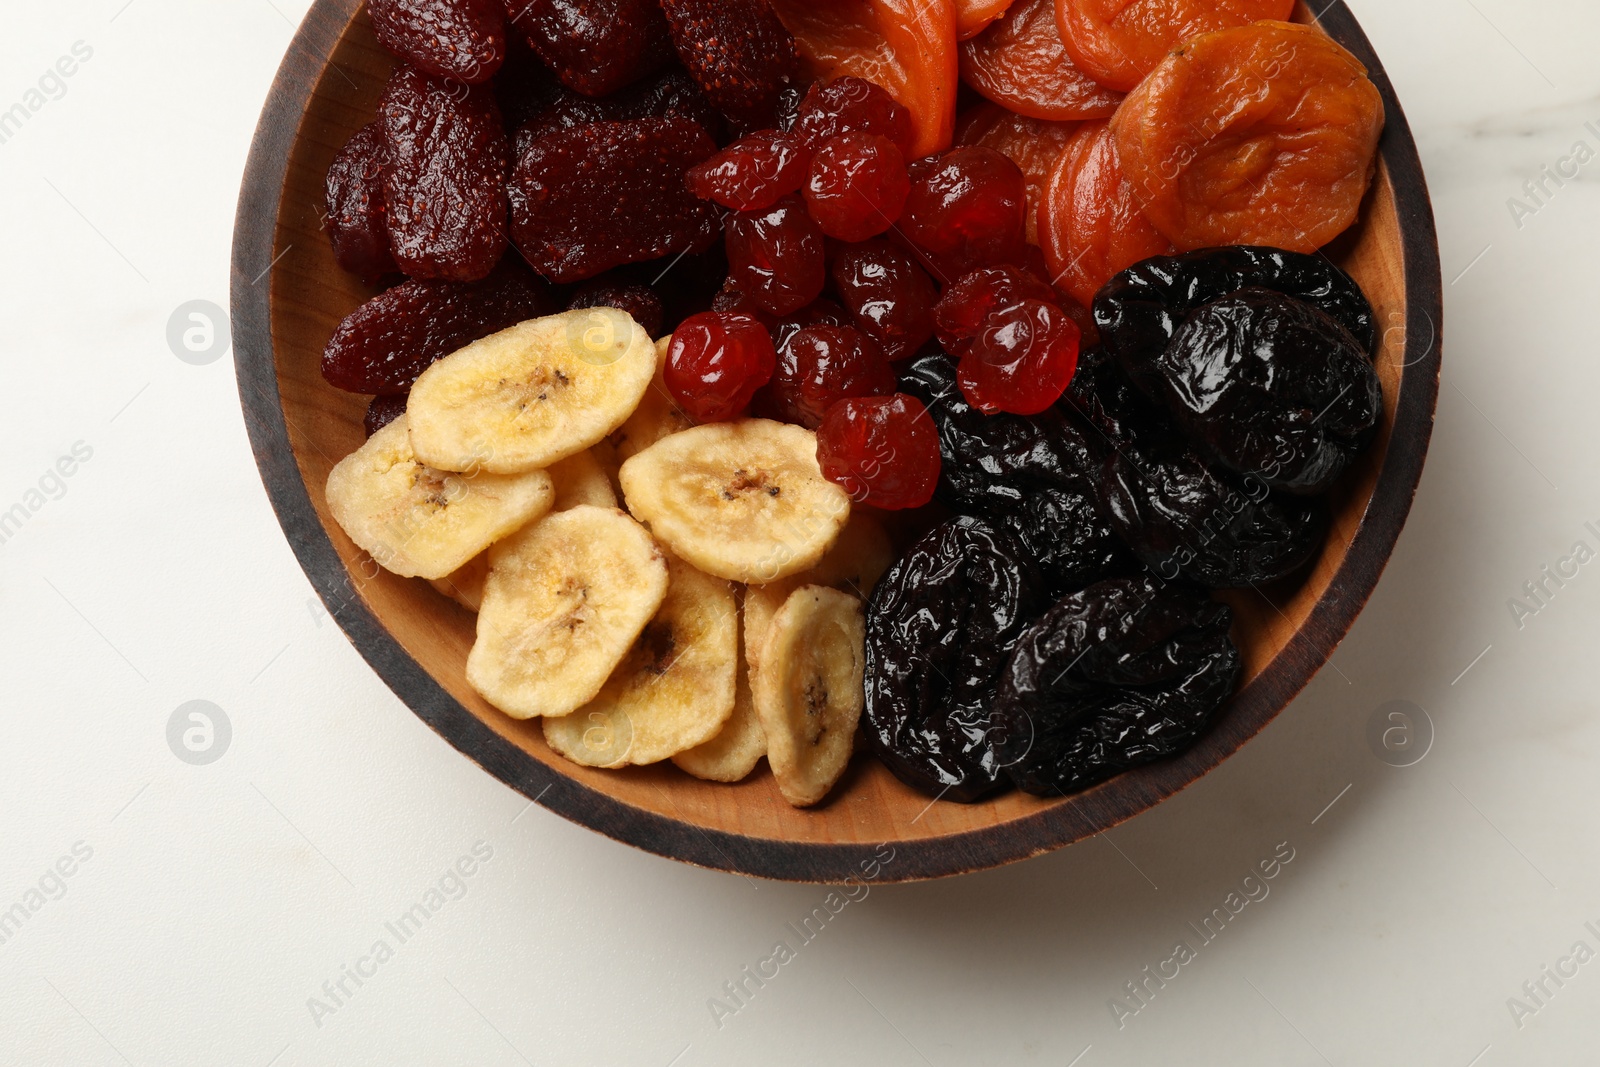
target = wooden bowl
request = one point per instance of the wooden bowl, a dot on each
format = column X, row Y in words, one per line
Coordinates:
column 288, row 295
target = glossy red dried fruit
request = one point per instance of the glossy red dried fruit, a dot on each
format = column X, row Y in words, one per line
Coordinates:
column 460, row 39
column 883, row 451
column 588, row 199
column 383, row 410
column 966, row 209
column 640, row 301
column 776, row 256
column 357, row 221
column 888, row 295
column 967, row 305
column 716, row 362
column 738, row 52
column 858, row 186
column 822, row 365
column 595, row 46
column 851, row 105
column 1021, row 361
column 752, row 173
column 445, row 179
column 820, row 312
column 1033, row 145
column 385, row 343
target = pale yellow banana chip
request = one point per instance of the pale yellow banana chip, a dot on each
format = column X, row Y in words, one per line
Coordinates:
column 741, row 500
column 739, row 745
column 465, row 585
column 531, row 395
column 672, row 691
column 658, row 414
column 582, row 479
column 421, row 522
column 565, row 600
column 808, row 692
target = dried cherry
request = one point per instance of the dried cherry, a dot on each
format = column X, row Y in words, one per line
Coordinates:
column 820, row 365
column 752, row 173
column 1117, row 44
column 716, row 362
column 1022, row 359
column 738, row 52
column 595, row 197
column 857, row 187
column 595, row 46
column 882, row 450
column 966, row 209
column 445, row 176
column 1120, row 674
column 1033, row 145
column 887, row 294
column 940, row 629
column 357, row 221
column 965, row 306
column 1020, row 63
column 851, row 105
column 464, row 40
column 776, row 256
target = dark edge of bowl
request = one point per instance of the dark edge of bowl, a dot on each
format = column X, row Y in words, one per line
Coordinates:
column 1247, row 713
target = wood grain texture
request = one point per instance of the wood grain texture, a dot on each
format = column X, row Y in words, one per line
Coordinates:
column 417, row 641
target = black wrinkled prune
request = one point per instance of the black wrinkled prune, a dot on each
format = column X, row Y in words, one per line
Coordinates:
column 1105, row 399
column 1185, row 521
column 1125, row 672
column 940, row 629
column 1139, row 310
column 1034, row 474
column 1269, row 386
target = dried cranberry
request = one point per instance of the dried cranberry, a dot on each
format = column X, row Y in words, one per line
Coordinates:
column 357, row 221
column 820, row 312
column 592, row 198
column 890, row 297
column 858, row 186
column 967, row 209
column 1021, row 361
column 383, row 345
column 383, row 410
column 716, row 362
column 962, row 310
column 752, row 173
column 639, row 301
column 777, row 257
column 883, row 451
column 595, row 46
column 852, row 105
column 460, row 39
column 822, row 365
column 445, row 179
column 738, row 52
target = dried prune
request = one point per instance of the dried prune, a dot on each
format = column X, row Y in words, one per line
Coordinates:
column 445, row 177
column 1269, row 386
column 1184, row 520
column 1033, row 474
column 595, row 46
column 1122, row 673
column 357, row 221
column 1120, row 414
column 637, row 300
column 940, row 630
column 1140, row 309
column 460, row 39
column 383, row 410
column 588, row 199
column 739, row 54
column 385, row 343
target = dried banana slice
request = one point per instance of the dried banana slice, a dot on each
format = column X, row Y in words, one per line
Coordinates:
column 565, row 600
column 581, row 479
column 809, row 692
column 421, row 522
column 672, row 691
column 465, row 584
column 658, row 414
column 529, row 396
column 739, row 745
column 741, row 500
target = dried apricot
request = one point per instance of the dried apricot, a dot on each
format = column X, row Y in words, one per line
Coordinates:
column 1032, row 144
column 1020, row 63
column 906, row 46
column 1090, row 224
column 975, row 16
column 1118, row 42
column 1262, row 135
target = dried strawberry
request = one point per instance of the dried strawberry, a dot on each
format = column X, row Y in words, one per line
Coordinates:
column 460, row 39
column 588, row 199
column 357, row 221
column 637, row 300
column 738, row 52
column 385, row 343
column 674, row 93
column 595, row 46
column 445, row 183
column 383, row 410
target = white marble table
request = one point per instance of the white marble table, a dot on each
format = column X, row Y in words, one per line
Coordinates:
column 206, row 906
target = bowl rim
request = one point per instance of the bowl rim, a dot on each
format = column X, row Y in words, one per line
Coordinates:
column 1248, row 712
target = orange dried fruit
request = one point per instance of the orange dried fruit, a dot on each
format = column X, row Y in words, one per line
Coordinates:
column 1118, row 42
column 1032, row 144
column 908, row 47
column 1262, row 135
column 1021, row 63
column 974, row 16
column 1090, row 224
